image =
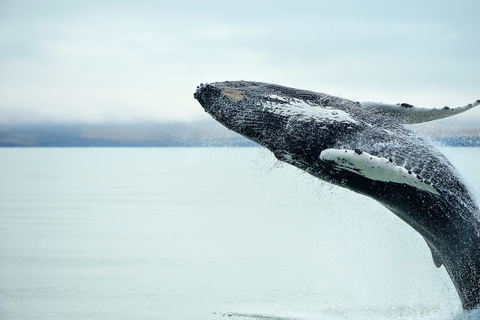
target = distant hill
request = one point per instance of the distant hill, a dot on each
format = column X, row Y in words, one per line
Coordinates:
column 167, row 134
column 458, row 141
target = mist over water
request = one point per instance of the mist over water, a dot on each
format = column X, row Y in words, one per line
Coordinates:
column 201, row 233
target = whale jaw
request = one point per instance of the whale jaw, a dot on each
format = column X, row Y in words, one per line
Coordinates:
column 229, row 107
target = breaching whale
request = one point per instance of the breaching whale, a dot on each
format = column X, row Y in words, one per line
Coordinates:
column 364, row 147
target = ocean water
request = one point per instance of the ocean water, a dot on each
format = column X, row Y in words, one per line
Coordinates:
column 205, row 233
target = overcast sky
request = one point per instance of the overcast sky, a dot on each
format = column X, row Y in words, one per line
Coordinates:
column 93, row 61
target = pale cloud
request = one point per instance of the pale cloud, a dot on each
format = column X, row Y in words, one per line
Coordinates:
column 94, row 61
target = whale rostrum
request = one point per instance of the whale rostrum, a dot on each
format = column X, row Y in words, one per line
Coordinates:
column 364, row 147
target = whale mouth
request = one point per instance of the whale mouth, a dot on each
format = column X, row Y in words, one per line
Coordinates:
column 206, row 93
column 214, row 103
column 203, row 92
column 200, row 89
column 245, row 114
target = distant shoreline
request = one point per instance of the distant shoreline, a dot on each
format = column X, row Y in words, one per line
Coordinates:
column 444, row 142
column 167, row 134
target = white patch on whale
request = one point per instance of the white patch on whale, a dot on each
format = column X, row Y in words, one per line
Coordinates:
column 375, row 168
column 304, row 111
column 277, row 97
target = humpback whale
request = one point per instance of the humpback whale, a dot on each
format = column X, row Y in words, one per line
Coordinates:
column 363, row 146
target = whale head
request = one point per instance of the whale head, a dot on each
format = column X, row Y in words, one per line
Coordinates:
column 295, row 128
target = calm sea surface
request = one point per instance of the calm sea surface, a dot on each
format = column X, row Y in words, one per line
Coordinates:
column 205, row 233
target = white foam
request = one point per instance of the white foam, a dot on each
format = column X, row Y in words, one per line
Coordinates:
column 375, row 168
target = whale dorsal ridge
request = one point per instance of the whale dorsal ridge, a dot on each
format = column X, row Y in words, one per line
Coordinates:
column 375, row 168
column 408, row 114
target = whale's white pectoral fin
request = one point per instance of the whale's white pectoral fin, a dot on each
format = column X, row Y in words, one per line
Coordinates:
column 375, row 168
column 406, row 113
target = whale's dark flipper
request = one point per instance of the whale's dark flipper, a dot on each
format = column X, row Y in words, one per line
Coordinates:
column 363, row 147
